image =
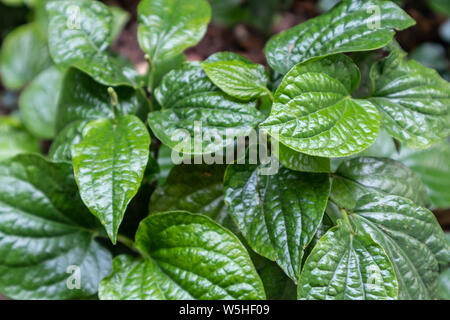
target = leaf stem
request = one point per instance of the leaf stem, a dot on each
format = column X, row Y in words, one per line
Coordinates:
column 151, row 75
column 269, row 93
column 127, row 242
column 347, row 220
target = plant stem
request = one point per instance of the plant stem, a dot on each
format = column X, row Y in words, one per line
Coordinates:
column 151, row 74
column 347, row 220
column 269, row 93
column 127, row 242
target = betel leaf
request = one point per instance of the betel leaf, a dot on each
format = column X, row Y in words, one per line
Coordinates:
column 24, row 55
column 240, row 80
column 165, row 163
column 186, row 256
column 82, row 98
column 411, row 237
column 46, row 233
column 227, row 56
column 61, row 147
column 313, row 112
column 14, row 139
column 358, row 176
column 347, row 266
column 79, row 34
column 120, row 18
column 298, row 161
column 168, row 27
column 277, row 214
column 413, row 100
column 39, row 102
column 195, row 111
column 433, row 168
column 353, row 25
column 193, row 188
column 109, row 165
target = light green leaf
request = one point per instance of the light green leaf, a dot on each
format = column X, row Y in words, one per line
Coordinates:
column 240, row 80
column 411, row 237
column 186, row 256
column 109, row 165
column 359, row 176
column 14, row 139
column 433, row 167
column 347, row 266
column 46, row 233
column 195, row 110
column 79, row 34
column 193, row 188
column 277, row 214
column 297, row 161
column 413, row 100
column 313, row 112
column 353, row 25
column 39, row 102
column 168, row 27
column 24, row 55
column 82, row 98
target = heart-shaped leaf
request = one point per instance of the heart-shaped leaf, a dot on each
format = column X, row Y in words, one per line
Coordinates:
column 39, row 102
column 109, row 165
column 277, row 214
column 313, row 112
column 194, row 110
column 347, row 266
column 358, row 176
column 298, row 161
column 47, row 246
column 168, row 27
column 353, row 25
column 413, row 100
column 79, row 34
column 186, row 256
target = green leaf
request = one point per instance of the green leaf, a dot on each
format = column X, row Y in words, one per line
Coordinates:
column 82, row 98
column 444, row 285
column 432, row 166
column 24, row 55
column 297, row 161
column 61, row 147
column 109, row 165
column 277, row 214
column 194, row 109
column 79, row 34
column 120, row 18
column 353, row 25
column 313, row 112
column 168, row 27
column 411, row 237
column 413, row 100
column 347, row 266
column 186, row 256
column 14, row 139
column 39, row 102
column 240, row 80
column 165, row 163
column 45, row 230
column 227, row 56
column 359, row 176
column 440, row 6
column 193, row 188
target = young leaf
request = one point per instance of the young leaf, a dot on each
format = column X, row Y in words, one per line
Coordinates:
column 432, row 166
column 193, row 107
column 193, row 188
column 24, row 55
column 347, row 266
column 46, row 233
column 39, row 102
column 82, row 98
column 168, row 27
column 14, row 139
column 240, row 80
column 186, row 256
column 313, row 112
column 413, row 100
column 362, row 175
column 109, row 164
column 297, row 161
column 411, row 237
column 277, row 214
column 353, row 25
column 79, row 34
